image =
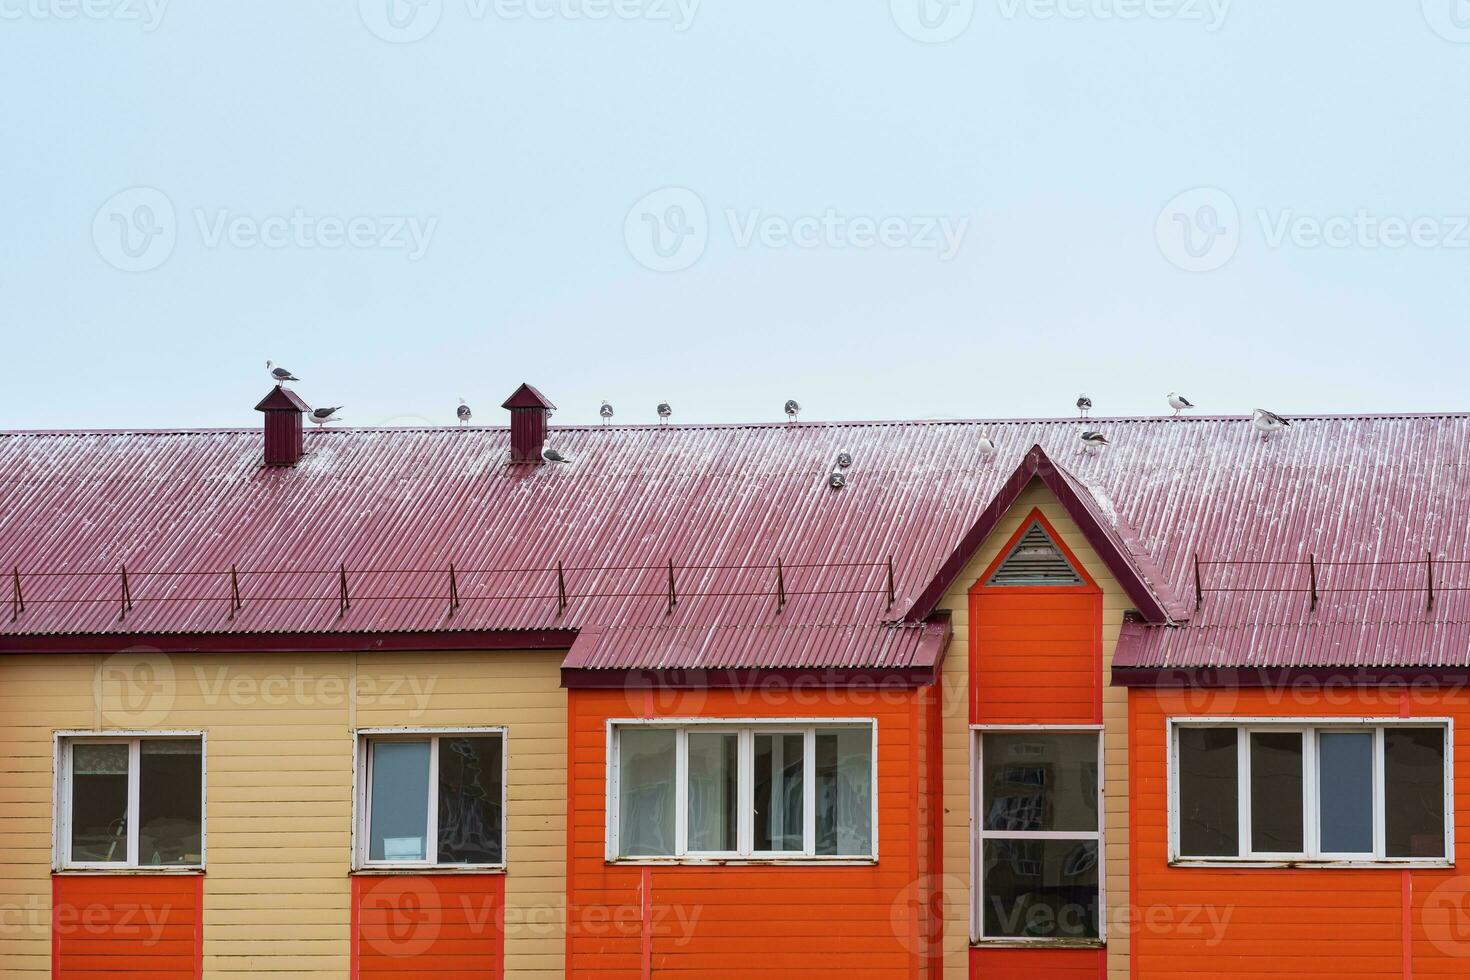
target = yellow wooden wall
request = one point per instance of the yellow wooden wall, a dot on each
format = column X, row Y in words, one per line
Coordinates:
column 955, row 682
column 279, row 763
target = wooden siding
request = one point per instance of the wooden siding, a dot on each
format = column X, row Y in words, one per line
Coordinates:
column 738, row 921
column 133, row 926
column 1207, row 923
column 442, row 926
column 279, row 764
column 956, row 711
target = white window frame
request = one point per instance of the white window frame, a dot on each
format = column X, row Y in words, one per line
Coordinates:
column 978, row 836
column 61, row 799
column 362, row 811
column 1312, row 855
column 746, row 729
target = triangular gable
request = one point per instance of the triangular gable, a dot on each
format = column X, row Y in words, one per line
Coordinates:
column 1133, row 571
column 1034, row 558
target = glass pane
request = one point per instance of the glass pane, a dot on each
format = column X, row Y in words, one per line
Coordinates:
column 1040, row 780
column 398, row 813
column 779, row 792
column 1040, row 888
column 845, row 791
column 169, row 815
column 99, row 802
column 1345, row 778
column 646, row 792
column 1209, row 792
column 714, row 803
column 1413, row 778
column 469, row 799
column 1276, row 792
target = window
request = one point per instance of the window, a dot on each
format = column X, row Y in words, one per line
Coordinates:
column 761, row 791
column 1328, row 790
column 1038, row 800
column 431, row 799
column 131, row 801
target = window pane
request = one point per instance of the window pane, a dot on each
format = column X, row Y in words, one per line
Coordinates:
column 1276, row 792
column 1413, row 771
column 714, row 804
column 169, row 774
column 469, row 799
column 1345, row 778
column 845, row 791
column 1040, row 888
column 779, row 792
column 1040, row 781
column 1209, row 792
column 99, row 802
column 398, row 814
column 646, row 792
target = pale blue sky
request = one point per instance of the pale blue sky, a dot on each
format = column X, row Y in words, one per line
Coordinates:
column 1051, row 134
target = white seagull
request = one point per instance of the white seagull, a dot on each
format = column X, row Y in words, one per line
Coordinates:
column 664, row 411
column 463, row 413
column 1268, row 422
column 552, row 456
column 1091, row 442
column 606, row 411
column 1179, row 403
column 279, row 374
column 1084, row 405
column 792, row 409
column 987, row 448
column 321, row 416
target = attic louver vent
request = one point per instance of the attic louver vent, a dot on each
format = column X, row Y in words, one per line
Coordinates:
column 1035, row 560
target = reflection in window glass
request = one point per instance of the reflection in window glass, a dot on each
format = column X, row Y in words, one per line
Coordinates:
column 779, row 792
column 714, row 801
column 1040, row 780
column 1040, row 889
column 469, row 799
column 1209, row 792
column 1413, row 774
column 1276, row 792
column 398, row 813
column 844, row 791
column 646, row 796
column 169, row 812
column 99, row 803
column 1345, row 791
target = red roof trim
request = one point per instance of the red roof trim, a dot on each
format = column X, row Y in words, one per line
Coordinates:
column 1288, row 679
column 1038, row 465
column 773, row 681
column 290, row 642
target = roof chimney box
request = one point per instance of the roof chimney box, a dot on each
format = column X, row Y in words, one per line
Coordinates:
column 529, row 412
column 283, row 409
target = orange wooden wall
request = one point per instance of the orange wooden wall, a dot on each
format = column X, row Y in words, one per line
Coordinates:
column 1036, row 659
column 112, row 926
column 448, row 926
column 1290, row 922
column 737, row 922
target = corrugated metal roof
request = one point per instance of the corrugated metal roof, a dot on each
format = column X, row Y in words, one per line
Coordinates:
column 397, row 506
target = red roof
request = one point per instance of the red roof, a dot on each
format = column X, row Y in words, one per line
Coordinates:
column 395, row 507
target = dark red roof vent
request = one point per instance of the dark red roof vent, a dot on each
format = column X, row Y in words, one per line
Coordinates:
column 283, row 409
column 529, row 411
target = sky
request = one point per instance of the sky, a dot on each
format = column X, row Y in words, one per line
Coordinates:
column 880, row 208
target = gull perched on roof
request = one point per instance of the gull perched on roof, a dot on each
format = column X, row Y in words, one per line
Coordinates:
column 1267, row 423
column 552, row 456
column 1084, row 405
column 664, row 411
column 1091, row 442
column 279, row 374
column 606, row 412
column 792, row 409
column 1179, row 403
column 321, row 416
column 463, row 413
column 986, row 446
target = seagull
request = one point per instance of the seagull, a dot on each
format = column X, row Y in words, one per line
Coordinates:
column 463, row 413
column 1267, row 423
column 664, row 411
column 844, row 460
column 792, row 409
column 987, row 448
column 552, row 456
column 321, row 416
column 837, row 480
column 1179, row 403
column 279, row 374
column 1091, row 441
column 606, row 412
column 1084, row 405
